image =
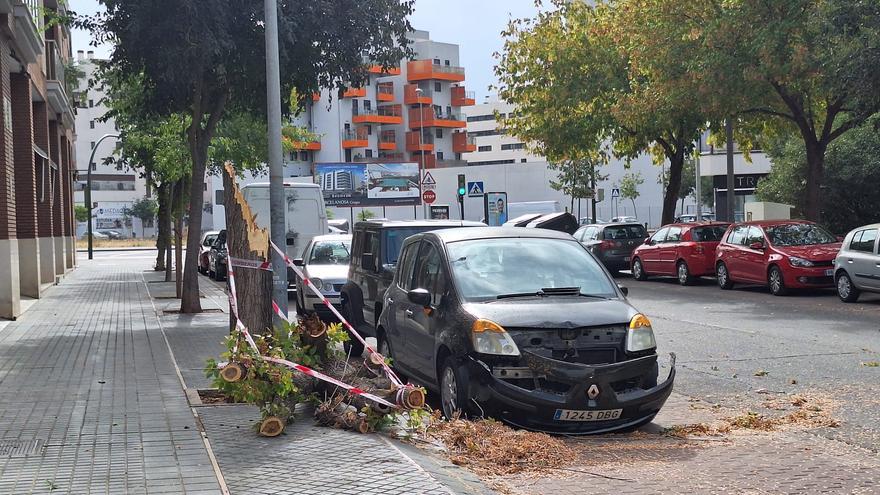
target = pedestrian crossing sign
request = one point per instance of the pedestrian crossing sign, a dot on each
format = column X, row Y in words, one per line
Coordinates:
column 475, row 189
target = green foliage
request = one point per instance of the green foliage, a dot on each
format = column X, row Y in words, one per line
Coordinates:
column 143, row 209
column 329, row 213
column 575, row 176
column 81, row 212
column 365, row 215
column 629, row 186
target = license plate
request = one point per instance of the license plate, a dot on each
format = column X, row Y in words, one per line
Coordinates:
column 829, row 272
column 579, row 415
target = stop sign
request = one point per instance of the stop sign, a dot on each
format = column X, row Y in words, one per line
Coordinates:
column 429, row 196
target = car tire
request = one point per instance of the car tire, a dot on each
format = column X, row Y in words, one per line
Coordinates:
column 776, row 282
column 846, row 290
column 683, row 273
column 723, row 275
column 638, row 270
column 383, row 347
column 212, row 274
column 352, row 346
column 454, row 385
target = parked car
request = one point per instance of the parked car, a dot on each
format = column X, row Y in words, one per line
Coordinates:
column 95, row 235
column 112, row 234
column 325, row 262
column 689, row 218
column 205, row 248
column 782, row 254
column 375, row 248
column 339, row 223
column 682, row 250
column 522, row 325
column 217, row 257
column 624, row 220
column 612, row 243
column 589, row 221
column 857, row 266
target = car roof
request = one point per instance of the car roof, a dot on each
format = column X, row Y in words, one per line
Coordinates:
column 332, row 237
column 691, row 225
column 416, row 223
column 465, row 234
column 865, row 227
column 771, row 223
column 620, row 224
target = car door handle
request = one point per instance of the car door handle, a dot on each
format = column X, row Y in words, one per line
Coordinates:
column 390, row 301
column 408, row 313
column 849, row 260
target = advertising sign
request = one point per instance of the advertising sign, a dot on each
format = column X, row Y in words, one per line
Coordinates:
column 111, row 214
column 369, row 184
column 495, row 208
column 440, row 212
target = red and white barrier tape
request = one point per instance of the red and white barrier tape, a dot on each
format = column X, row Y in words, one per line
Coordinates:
column 256, row 264
column 321, row 376
column 306, row 282
column 277, row 310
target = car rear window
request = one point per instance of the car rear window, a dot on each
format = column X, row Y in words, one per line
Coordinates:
column 625, row 232
column 712, row 233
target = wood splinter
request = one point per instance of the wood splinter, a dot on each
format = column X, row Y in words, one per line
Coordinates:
column 233, row 372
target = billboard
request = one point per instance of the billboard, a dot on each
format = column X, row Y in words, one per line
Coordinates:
column 369, row 184
column 495, row 208
column 439, row 212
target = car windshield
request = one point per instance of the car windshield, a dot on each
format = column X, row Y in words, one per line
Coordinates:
column 625, row 232
column 712, row 233
column 331, row 253
column 209, row 240
column 394, row 240
column 487, row 268
column 799, row 234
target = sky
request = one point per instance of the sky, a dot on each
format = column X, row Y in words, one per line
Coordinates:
column 474, row 25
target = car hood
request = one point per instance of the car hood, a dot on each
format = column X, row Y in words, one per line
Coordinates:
column 553, row 312
column 816, row 252
column 328, row 272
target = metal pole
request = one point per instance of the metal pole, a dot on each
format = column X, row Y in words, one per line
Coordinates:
column 88, row 192
column 593, row 186
column 698, row 190
column 422, row 167
column 731, row 189
column 277, row 203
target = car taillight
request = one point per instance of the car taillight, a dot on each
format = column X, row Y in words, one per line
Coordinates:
column 608, row 244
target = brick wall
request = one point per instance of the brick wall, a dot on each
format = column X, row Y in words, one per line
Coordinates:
column 23, row 157
column 7, row 172
column 57, row 196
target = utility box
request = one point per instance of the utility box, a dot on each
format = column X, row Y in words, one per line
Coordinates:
column 767, row 211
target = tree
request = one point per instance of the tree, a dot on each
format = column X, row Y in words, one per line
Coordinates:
column 583, row 76
column 81, row 213
column 365, row 215
column 577, row 177
column 629, row 187
column 812, row 66
column 145, row 210
column 201, row 62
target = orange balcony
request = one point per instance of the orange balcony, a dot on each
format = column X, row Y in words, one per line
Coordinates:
column 424, row 70
column 462, row 98
column 385, row 91
column 429, row 159
column 316, row 97
column 306, row 145
column 386, row 114
column 388, row 71
column 427, row 117
column 392, row 157
column 416, row 141
column 388, row 141
column 413, row 97
column 462, row 143
column 355, row 93
column 357, row 138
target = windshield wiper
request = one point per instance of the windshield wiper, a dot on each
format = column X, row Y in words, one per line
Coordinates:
column 519, row 294
column 547, row 291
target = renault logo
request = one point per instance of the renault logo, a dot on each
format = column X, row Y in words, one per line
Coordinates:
column 593, row 391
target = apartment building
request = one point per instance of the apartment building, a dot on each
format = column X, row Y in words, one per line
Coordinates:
column 412, row 112
column 493, row 145
column 37, row 162
column 113, row 190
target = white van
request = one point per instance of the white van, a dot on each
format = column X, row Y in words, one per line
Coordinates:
column 306, row 214
column 532, row 207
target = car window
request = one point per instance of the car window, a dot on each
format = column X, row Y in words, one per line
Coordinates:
column 330, row 253
column 209, row 240
column 220, row 241
column 370, row 246
column 799, row 234
column 407, row 259
column 753, row 235
column 660, row 235
column 674, row 234
column 579, row 235
column 712, row 233
column 428, row 272
column 737, row 235
column 864, row 241
column 618, row 232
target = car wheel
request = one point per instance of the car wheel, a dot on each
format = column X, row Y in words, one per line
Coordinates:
column 845, row 288
column 383, row 347
column 776, row 282
column 212, row 274
column 352, row 346
column 453, row 388
column 723, row 275
column 638, row 270
column 684, row 273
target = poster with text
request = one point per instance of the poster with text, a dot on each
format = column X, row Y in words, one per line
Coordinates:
column 369, row 184
column 495, row 208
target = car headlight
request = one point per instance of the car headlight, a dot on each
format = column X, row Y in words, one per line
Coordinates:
column 640, row 336
column 795, row 261
column 317, row 282
column 491, row 338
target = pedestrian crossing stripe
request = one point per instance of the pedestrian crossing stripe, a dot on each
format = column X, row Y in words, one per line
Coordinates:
column 475, row 190
column 429, row 179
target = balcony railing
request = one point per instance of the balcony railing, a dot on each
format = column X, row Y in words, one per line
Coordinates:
column 421, row 70
column 376, row 68
column 462, row 143
column 413, row 97
column 385, row 91
column 385, row 114
column 54, row 63
column 313, row 144
column 429, row 117
column 355, row 93
column 462, row 98
column 388, row 141
column 355, row 138
column 57, row 91
column 418, row 141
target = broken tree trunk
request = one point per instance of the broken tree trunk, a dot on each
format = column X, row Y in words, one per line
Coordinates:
column 245, row 240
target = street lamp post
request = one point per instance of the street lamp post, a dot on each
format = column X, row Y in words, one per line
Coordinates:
column 422, row 151
column 88, row 192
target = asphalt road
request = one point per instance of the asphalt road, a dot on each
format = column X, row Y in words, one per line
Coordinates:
column 807, row 342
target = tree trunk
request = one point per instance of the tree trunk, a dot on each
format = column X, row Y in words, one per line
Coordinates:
column 189, row 302
column 245, row 240
column 173, row 192
column 676, row 163
column 162, row 233
column 815, row 172
column 178, row 239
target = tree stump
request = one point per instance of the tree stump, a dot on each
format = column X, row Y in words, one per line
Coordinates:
column 233, row 372
column 271, row 426
column 314, row 334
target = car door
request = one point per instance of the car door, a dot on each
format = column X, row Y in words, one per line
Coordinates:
column 422, row 324
column 397, row 303
column 753, row 262
column 650, row 252
column 300, row 288
column 733, row 252
column 861, row 259
column 667, row 250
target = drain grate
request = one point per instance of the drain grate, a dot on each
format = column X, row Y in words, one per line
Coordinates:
column 22, row 448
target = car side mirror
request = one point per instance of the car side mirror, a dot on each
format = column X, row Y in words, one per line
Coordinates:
column 298, row 262
column 419, row 296
column 623, row 289
column 757, row 245
column 649, row 241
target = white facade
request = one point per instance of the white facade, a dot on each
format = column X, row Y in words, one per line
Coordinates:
column 494, row 147
column 113, row 190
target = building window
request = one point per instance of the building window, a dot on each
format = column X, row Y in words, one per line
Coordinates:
column 440, row 155
column 446, row 63
column 368, row 153
column 91, row 103
column 458, row 156
column 485, row 148
column 492, row 162
column 368, row 105
column 437, row 87
column 522, row 160
column 93, row 144
column 91, row 124
column 94, row 167
column 439, row 133
column 436, row 61
column 512, row 146
column 481, row 118
column 304, row 156
column 448, row 110
column 369, row 130
column 491, row 132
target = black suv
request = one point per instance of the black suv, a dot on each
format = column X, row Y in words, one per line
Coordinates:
column 375, row 248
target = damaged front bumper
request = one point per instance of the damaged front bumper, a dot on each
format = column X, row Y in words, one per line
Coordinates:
column 530, row 394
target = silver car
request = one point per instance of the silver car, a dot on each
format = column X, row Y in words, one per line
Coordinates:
column 325, row 261
column 857, row 267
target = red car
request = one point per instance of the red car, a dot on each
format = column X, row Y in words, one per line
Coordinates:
column 782, row 254
column 682, row 250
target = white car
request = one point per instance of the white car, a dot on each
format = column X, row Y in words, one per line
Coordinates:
column 325, row 262
column 857, row 266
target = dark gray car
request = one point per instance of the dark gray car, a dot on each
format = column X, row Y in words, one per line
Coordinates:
column 523, row 325
column 612, row 243
column 857, row 266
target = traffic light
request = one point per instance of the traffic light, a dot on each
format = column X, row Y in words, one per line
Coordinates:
column 462, row 186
